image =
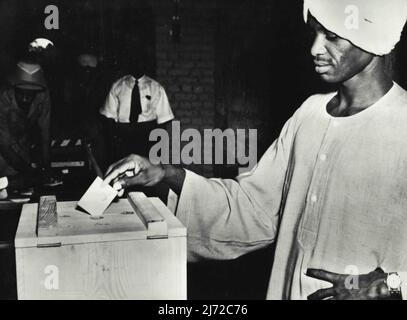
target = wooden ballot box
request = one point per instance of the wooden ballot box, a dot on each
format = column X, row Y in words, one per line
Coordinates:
column 136, row 250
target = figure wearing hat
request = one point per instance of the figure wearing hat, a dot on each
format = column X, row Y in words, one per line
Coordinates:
column 24, row 121
column 331, row 191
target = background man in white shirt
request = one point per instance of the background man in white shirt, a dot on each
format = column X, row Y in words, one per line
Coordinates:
column 136, row 104
column 331, row 191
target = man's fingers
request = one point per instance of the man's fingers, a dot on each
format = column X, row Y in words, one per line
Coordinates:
column 137, row 168
column 108, row 175
column 118, row 164
column 324, row 275
column 139, row 179
column 113, row 166
column 322, row 294
column 118, row 170
column 117, row 186
column 129, row 166
column 126, row 182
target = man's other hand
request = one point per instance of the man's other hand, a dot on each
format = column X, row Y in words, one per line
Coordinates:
column 370, row 286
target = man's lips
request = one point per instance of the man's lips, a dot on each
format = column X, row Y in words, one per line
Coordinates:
column 321, row 67
column 321, row 63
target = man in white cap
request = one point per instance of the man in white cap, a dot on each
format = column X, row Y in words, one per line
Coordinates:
column 331, row 191
column 24, row 120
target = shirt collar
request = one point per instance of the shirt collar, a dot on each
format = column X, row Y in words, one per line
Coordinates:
column 141, row 79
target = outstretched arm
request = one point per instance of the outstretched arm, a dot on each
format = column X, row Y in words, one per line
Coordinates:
column 225, row 218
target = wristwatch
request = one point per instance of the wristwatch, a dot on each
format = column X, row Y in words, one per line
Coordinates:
column 393, row 282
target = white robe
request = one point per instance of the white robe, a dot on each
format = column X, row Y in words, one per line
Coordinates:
column 331, row 192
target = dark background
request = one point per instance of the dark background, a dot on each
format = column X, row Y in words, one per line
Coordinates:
column 225, row 64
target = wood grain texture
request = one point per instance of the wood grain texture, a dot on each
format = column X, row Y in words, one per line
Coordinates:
column 155, row 223
column 119, row 222
column 47, row 218
column 110, row 258
column 139, row 269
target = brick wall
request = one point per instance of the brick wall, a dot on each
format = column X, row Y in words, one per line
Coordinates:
column 186, row 68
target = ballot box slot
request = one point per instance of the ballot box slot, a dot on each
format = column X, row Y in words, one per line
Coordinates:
column 49, row 245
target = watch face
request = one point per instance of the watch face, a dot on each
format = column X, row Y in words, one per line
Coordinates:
column 393, row 281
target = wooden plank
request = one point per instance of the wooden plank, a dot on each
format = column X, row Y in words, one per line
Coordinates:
column 148, row 213
column 47, row 219
column 118, row 223
column 175, row 227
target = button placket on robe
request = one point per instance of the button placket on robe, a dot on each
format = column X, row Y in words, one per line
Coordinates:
column 310, row 224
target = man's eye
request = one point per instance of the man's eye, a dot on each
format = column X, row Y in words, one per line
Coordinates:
column 331, row 36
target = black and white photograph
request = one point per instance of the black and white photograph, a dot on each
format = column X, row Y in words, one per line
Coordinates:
column 191, row 150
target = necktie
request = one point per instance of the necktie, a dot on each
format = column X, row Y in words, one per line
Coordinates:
column 135, row 107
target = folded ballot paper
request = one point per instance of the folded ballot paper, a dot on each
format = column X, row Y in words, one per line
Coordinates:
column 97, row 198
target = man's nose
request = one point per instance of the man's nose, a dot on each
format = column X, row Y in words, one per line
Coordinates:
column 318, row 47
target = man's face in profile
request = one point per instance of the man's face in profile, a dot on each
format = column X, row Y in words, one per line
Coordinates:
column 336, row 59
